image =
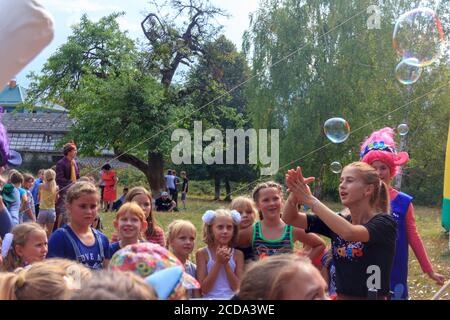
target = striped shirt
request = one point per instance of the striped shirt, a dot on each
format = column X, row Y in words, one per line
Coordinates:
column 268, row 247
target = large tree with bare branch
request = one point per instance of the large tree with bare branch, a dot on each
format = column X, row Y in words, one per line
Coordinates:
column 122, row 97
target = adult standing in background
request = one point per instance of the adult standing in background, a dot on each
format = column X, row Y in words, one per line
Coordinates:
column 110, row 192
column 66, row 174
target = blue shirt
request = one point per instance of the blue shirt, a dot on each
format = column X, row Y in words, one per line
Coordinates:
column 60, row 246
column 29, row 205
column 35, row 191
column 114, row 247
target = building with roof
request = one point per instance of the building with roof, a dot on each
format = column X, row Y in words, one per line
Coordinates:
column 36, row 134
column 13, row 95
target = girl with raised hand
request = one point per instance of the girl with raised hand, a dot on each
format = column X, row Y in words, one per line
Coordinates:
column 219, row 265
column 271, row 235
column 379, row 151
column 363, row 243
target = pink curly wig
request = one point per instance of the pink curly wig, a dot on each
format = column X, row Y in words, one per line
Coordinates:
column 381, row 146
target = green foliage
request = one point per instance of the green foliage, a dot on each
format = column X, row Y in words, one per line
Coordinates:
column 317, row 59
column 130, row 177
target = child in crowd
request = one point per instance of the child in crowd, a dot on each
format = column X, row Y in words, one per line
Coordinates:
column 5, row 219
column 271, row 235
column 48, row 196
column 11, row 195
column 361, row 240
column 129, row 223
column 180, row 241
column 78, row 240
column 328, row 272
column 26, row 244
column 158, row 266
column 219, row 265
column 283, row 277
column 115, row 285
column 28, row 210
column 52, row 279
column 121, row 200
column 143, row 198
column 246, row 207
column 37, row 182
column 164, row 203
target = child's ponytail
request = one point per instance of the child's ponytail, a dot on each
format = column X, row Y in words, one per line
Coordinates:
column 9, row 283
column 383, row 198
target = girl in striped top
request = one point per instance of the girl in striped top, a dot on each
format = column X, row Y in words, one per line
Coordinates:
column 271, row 235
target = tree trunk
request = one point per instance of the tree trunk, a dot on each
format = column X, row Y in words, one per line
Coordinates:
column 216, row 188
column 153, row 170
column 228, row 190
column 155, row 174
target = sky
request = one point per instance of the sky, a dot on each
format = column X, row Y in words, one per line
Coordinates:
column 68, row 12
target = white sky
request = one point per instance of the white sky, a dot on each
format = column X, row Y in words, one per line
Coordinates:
column 68, row 12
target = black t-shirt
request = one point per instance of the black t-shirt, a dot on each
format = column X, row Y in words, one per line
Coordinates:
column 358, row 263
column 163, row 205
column 185, row 185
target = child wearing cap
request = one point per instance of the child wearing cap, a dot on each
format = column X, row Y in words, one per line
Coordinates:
column 164, row 203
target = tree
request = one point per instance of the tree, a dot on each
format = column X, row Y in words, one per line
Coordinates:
column 212, row 84
column 313, row 60
column 121, row 97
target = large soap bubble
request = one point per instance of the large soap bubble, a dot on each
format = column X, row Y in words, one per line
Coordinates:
column 419, row 34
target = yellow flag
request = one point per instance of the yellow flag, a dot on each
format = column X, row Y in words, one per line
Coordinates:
column 446, row 200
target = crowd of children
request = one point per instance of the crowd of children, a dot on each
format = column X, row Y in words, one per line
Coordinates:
column 261, row 247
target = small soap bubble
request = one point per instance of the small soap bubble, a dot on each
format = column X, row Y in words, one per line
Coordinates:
column 403, row 129
column 336, row 167
column 407, row 71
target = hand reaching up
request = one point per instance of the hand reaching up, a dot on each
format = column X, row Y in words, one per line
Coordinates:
column 297, row 186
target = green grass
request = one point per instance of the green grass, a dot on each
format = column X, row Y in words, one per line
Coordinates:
column 428, row 221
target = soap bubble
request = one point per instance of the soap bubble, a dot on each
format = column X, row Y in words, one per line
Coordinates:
column 407, row 71
column 403, row 129
column 419, row 34
column 336, row 129
column 336, row 167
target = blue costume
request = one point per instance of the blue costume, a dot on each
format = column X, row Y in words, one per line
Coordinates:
column 399, row 274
